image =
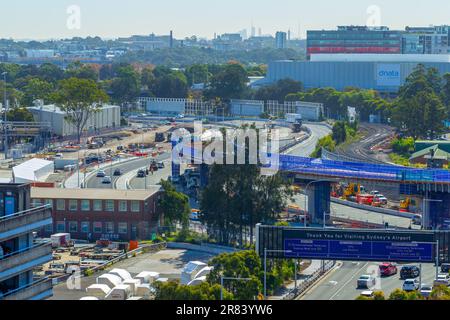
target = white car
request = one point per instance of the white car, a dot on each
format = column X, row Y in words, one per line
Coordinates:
column 107, row 180
column 381, row 198
column 375, row 192
column 426, row 290
column 366, row 281
column 442, row 279
column 411, row 285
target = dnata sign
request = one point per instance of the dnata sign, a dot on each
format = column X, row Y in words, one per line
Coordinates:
column 388, row 75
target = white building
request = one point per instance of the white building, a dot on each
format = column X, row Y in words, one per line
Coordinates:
column 107, row 117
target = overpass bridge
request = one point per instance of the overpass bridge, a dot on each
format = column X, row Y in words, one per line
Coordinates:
column 433, row 185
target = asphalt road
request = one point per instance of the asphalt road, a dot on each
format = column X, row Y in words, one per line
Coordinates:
column 125, row 167
column 307, row 147
column 340, row 284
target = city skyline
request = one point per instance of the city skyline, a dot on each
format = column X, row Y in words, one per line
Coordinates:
column 60, row 19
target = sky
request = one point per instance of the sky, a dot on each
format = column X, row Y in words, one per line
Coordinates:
column 54, row 19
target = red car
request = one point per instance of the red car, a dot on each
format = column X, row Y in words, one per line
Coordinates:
column 388, row 269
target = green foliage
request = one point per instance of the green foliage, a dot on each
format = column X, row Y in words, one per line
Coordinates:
column 80, row 99
column 326, row 142
column 237, row 198
column 187, row 56
column 174, row 205
column 230, row 83
column 278, row 91
column 20, row 114
column 339, row 132
column 420, row 109
column 403, row 146
column 174, row 291
column 126, row 86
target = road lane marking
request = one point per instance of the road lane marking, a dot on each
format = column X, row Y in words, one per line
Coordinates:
column 346, row 283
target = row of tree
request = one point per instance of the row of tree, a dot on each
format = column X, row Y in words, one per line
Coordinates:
column 243, row 264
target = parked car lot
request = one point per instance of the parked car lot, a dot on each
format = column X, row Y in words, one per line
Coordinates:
column 409, row 272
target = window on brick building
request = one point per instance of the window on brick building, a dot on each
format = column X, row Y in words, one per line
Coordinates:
column 73, row 205
column 109, row 205
column 135, row 206
column 85, row 205
column 61, row 205
column 122, row 228
column 123, row 207
column 98, row 205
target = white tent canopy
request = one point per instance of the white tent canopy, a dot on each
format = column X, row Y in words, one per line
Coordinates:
column 33, row 170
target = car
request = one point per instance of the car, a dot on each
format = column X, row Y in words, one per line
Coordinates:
column 425, row 290
column 141, row 174
column 388, row 269
column 101, row 174
column 445, row 267
column 375, row 192
column 117, row 172
column 409, row 272
column 411, row 285
column 368, row 293
column 380, row 198
column 107, row 180
column 442, row 279
column 161, row 165
column 417, row 220
column 366, row 281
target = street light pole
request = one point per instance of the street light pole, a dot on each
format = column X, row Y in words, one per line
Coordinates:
column 5, row 143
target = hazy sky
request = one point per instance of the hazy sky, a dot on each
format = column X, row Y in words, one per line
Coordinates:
column 45, row 19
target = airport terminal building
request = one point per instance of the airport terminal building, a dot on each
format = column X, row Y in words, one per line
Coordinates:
column 381, row 72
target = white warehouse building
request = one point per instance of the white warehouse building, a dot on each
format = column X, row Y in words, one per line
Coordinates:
column 107, row 117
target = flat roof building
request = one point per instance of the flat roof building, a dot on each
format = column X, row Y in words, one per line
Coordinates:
column 107, row 117
column 102, row 214
column 384, row 73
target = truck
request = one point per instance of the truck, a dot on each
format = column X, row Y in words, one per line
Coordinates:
column 293, row 118
column 60, row 240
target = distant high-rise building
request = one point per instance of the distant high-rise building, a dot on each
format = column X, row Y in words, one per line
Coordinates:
column 280, row 40
column 259, row 32
column 289, row 35
column 171, row 39
column 253, row 31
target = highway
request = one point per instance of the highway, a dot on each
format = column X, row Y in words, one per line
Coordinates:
column 305, row 149
column 94, row 182
column 340, row 283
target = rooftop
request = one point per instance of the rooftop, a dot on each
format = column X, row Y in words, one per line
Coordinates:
column 93, row 194
column 55, row 109
column 363, row 57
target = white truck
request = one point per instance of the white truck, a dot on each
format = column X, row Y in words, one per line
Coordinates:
column 293, row 118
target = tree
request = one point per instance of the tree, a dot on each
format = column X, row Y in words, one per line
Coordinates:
column 197, row 73
column 172, row 85
column 339, row 132
column 440, row 293
column 82, row 71
column 243, row 264
column 237, row 197
column 126, row 87
column 421, row 96
column 20, row 114
column 175, row 205
column 279, row 91
column 80, row 99
column 230, row 83
column 174, row 291
column 36, row 89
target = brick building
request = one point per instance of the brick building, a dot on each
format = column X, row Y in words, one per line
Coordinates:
column 107, row 214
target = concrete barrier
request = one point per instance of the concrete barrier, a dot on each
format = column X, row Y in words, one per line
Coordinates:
column 373, row 209
column 207, row 248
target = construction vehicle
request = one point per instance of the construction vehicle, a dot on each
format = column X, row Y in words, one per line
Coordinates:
column 405, row 204
column 352, row 190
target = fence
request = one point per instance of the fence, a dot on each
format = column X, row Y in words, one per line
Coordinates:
column 313, row 278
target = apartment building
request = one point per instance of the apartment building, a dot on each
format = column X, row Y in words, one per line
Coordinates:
column 20, row 251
